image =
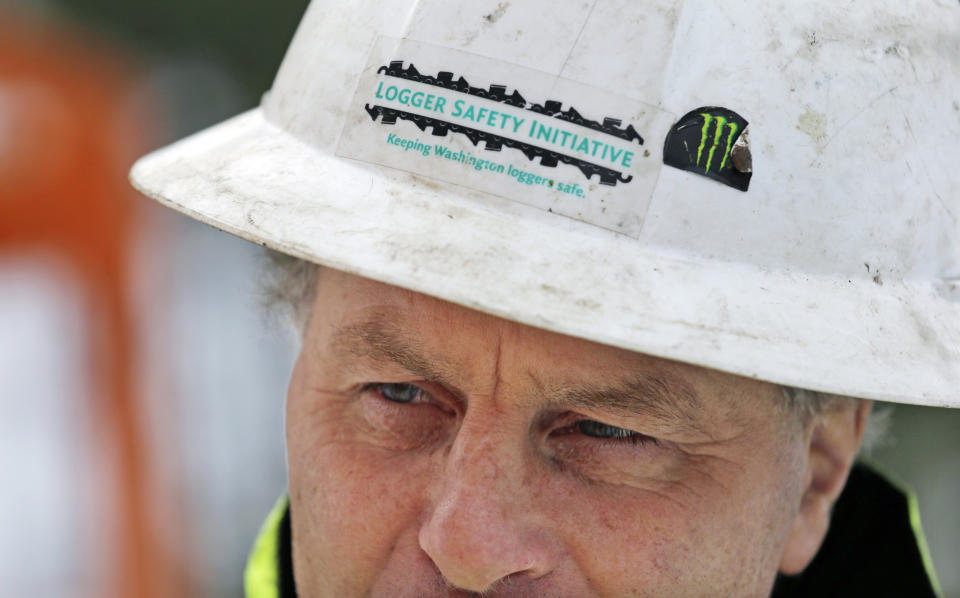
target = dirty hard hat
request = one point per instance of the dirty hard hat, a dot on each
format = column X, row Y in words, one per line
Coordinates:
column 765, row 188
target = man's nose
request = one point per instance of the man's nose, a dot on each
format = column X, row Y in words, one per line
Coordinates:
column 482, row 528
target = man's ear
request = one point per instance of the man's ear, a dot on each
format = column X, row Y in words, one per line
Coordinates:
column 834, row 439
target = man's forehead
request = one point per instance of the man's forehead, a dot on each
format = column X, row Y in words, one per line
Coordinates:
column 445, row 337
column 366, row 310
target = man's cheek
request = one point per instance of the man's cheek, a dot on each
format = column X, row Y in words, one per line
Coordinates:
column 356, row 501
column 343, row 472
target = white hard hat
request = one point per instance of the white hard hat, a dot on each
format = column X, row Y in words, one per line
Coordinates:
column 765, row 188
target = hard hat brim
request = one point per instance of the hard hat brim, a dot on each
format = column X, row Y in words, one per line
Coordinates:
column 895, row 342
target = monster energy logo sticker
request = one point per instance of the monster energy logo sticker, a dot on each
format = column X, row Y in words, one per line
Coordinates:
column 712, row 142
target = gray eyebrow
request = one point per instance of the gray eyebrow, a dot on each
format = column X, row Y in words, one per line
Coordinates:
column 650, row 395
column 379, row 339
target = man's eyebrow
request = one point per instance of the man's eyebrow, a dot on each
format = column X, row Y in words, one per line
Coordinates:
column 649, row 395
column 379, row 339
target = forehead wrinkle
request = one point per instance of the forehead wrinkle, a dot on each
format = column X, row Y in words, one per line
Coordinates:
column 379, row 339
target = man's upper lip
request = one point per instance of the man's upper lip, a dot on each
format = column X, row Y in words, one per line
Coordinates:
column 508, row 590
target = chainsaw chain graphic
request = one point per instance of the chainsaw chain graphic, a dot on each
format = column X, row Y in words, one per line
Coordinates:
column 548, row 158
column 498, row 93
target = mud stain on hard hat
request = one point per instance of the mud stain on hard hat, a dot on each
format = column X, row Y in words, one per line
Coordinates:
column 497, row 13
column 877, row 279
column 897, row 49
column 814, row 125
column 949, row 289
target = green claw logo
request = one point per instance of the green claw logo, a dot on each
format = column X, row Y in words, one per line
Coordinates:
column 717, row 136
column 711, row 142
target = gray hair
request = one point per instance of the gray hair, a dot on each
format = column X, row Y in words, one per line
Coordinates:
column 807, row 404
column 288, row 289
column 290, row 285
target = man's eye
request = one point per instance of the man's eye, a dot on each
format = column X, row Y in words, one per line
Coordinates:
column 595, row 429
column 399, row 393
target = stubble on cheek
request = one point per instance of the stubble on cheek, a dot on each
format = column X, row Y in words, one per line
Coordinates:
column 768, row 511
column 317, row 423
column 309, row 500
column 755, row 495
column 351, row 500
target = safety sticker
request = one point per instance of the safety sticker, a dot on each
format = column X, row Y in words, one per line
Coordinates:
column 504, row 129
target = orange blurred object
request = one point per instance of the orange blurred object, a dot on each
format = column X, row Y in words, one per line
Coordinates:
column 67, row 136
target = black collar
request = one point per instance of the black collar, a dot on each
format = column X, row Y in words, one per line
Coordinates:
column 872, row 548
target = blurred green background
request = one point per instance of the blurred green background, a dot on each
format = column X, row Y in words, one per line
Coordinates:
column 245, row 39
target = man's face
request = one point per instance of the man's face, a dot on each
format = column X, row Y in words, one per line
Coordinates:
column 438, row 451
